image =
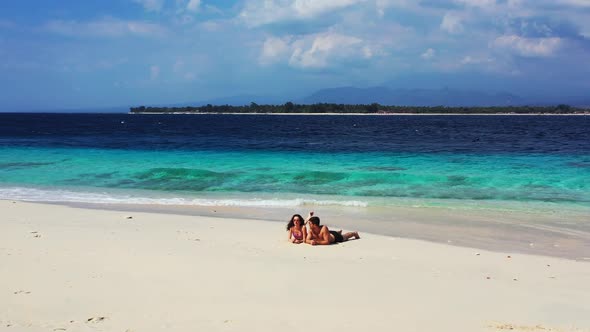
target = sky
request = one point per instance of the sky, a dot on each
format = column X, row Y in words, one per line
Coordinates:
column 78, row 53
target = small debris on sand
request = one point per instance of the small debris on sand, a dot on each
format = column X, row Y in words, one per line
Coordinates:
column 530, row 328
column 95, row 319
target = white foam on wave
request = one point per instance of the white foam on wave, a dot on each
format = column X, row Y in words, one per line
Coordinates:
column 57, row 195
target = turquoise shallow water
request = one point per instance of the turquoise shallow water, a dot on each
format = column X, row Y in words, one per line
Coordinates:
column 279, row 178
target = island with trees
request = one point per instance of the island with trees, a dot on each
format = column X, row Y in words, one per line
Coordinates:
column 374, row 108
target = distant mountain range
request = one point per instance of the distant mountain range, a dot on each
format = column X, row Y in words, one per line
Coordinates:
column 451, row 97
column 239, row 100
column 412, row 97
column 402, row 97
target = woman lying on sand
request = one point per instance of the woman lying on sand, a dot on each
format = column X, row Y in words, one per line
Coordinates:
column 321, row 235
column 297, row 232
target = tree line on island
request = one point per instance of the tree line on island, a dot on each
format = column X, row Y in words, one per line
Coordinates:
column 374, row 108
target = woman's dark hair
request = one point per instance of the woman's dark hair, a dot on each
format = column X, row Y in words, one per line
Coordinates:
column 292, row 223
column 314, row 220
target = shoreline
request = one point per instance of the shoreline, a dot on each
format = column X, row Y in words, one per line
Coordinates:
column 552, row 233
column 66, row 268
column 495, row 230
column 365, row 114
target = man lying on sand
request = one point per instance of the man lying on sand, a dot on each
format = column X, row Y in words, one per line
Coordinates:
column 317, row 234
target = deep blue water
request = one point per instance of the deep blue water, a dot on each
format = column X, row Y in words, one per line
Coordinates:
column 285, row 160
column 324, row 134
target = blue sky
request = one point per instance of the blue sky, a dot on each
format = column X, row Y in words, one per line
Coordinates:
column 76, row 53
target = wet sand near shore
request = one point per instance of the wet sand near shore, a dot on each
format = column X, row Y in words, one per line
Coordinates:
column 558, row 233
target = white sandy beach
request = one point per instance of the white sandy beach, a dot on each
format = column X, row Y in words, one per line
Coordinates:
column 75, row 269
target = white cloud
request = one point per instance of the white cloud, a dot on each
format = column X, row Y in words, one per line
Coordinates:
column 212, row 26
column 151, row 5
column 528, row 47
column 451, row 23
column 193, row 5
column 428, row 54
column 485, row 4
column 367, row 52
column 319, row 50
column 309, row 8
column 154, row 73
column 576, row 3
column 189, row 76
column 261, row 12
column 184, row 19
column 178, row 66
column 324, row 48
column 382, row 5
column 475, row 60
column 273, row 49
column 467, row 60
column 187, row 68
column 105, row 28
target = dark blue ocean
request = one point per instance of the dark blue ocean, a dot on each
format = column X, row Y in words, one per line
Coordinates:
column 293, row 160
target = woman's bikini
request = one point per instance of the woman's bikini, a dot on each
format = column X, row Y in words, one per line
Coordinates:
column 297, row 235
